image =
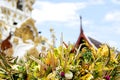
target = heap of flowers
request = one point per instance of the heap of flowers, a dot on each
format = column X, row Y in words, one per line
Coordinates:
column 59, row 64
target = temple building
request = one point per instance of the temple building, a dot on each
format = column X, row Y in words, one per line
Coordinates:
column 14, row 15
column 18, row 33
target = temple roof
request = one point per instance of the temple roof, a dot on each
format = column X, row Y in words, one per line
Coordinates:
column 89, row 40
column 81, row 38
column 95, row 42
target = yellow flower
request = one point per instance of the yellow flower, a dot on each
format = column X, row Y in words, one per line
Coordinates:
column 103, row 50
column 91, row 67
column 113, row 59
column 51, row 60
column 51, row 76
column 82, row 71
column 87, row 77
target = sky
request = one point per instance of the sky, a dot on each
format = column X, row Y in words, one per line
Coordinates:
column 101, row 19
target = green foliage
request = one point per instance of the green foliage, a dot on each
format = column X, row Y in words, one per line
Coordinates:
column 60, row 64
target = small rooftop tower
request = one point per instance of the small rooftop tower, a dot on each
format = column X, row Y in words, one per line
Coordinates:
column 82, row 38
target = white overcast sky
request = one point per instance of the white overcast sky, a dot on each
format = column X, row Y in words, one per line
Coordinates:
column 101, row 19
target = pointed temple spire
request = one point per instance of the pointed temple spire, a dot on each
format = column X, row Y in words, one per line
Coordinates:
column 81, row 30
column 81, row 39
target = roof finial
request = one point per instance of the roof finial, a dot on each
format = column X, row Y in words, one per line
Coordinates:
column 81, row 30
